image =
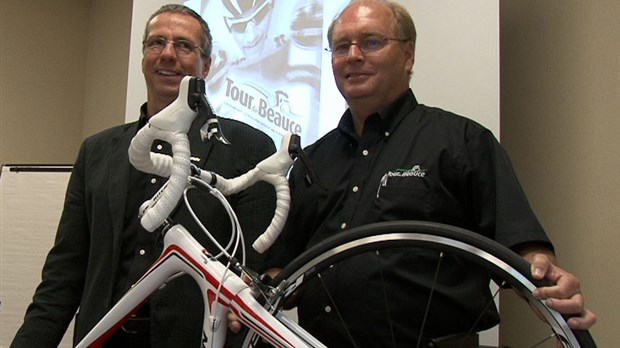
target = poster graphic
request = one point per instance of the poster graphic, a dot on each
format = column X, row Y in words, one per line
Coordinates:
column 266, row 69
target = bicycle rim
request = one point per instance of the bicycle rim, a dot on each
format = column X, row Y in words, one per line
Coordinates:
column 500, row 263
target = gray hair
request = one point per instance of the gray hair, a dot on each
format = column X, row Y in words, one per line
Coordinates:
column 207, row 39
column 404, row 22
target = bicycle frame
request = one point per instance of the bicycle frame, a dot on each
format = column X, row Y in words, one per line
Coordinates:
column 222, row 291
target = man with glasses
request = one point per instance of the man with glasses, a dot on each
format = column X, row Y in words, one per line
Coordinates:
column 391, row 158
column 101, row 249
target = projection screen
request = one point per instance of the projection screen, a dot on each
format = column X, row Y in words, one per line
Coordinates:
column 271, row 71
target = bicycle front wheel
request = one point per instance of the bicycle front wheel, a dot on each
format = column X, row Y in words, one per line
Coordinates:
column 409, row 284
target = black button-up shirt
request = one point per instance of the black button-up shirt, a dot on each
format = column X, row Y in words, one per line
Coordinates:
column 412, row 162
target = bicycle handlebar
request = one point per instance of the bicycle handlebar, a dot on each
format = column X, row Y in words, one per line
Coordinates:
column 171, row 125
column 273, row 170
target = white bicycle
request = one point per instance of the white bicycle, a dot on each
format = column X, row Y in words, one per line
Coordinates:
column 260, row 304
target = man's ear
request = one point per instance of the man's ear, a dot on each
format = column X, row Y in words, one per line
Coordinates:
column 206, row 67
column 409, row 55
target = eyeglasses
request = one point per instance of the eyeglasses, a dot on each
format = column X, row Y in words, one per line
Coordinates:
column 156, row 44
column 366, row 45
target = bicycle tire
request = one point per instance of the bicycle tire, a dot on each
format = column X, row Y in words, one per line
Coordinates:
column 492, row 256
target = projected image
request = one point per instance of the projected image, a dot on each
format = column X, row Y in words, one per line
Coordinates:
column 267, row 58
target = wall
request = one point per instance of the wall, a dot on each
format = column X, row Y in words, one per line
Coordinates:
column 42, row 85
column 106, row 71
column 63, row 71
column 560, row 102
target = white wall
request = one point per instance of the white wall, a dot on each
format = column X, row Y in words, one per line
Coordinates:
column 136, row 89
column 457, row 57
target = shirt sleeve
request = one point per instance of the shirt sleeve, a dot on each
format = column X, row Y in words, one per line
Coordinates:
column 501, row 208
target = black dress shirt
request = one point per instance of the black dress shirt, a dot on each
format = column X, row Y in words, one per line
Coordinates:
column 412, row 162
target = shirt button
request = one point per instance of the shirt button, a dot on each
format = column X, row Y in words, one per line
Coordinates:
column 365, row 152
column 142, row 251
column 343, row 226
column 355, row 188
column 159, row 147
column 153, row 181
column 387, row 134
column 328, row 309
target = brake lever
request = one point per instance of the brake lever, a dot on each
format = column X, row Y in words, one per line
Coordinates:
column 295, row 150
column 198, row 98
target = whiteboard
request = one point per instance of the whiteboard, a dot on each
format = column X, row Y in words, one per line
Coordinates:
column 31, row 200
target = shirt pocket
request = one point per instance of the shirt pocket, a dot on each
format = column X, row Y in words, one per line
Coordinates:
column 403, row 198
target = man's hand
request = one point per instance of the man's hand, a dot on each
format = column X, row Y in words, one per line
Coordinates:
column 234, row 324
column 565, row 295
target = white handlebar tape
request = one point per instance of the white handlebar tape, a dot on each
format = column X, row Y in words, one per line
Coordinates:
column 156, row 210
column 283, row 204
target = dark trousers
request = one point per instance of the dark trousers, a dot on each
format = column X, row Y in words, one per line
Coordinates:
column 135, row 333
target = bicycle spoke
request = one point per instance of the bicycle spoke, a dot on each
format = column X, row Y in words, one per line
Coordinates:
column 335, row 307
column 487, row 306
column 385, row 299
column 430, row 298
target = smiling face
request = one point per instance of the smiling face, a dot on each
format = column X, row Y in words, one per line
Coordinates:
column 164, row 70
column 373, row 80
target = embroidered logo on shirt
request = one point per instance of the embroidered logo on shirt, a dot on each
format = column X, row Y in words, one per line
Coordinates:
column 416, row 171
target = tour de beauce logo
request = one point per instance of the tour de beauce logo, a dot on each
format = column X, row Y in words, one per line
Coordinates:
column 275, row 110
column 415, row 171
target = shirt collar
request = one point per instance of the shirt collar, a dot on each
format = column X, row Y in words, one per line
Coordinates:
column 390, row 115
column 143, row 116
